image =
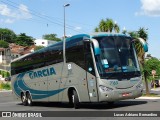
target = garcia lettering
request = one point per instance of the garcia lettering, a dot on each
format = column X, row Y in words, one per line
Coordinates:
column 42, row 73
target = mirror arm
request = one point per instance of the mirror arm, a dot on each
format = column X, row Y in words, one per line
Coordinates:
column 96, row 46
column 143, row 42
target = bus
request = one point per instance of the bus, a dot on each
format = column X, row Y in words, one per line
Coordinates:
column 98, row 67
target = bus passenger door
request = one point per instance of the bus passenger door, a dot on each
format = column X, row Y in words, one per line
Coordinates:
column 90, row 76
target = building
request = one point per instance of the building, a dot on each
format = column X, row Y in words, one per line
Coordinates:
column 14, row 51
column 148, row 57
column 17, row 50
column 43, row 42
column 5, row 55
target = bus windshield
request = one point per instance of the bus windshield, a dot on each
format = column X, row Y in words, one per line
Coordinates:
column 117, row 59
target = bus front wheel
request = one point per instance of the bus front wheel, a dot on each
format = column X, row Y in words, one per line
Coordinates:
column 75, row 100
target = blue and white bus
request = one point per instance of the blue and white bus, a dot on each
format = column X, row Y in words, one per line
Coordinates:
column 100, row 67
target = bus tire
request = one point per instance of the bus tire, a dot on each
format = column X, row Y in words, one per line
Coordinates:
column 75, row 100
column 70, row 100
column 29, row 99
column 24, row 99
column 110, row 103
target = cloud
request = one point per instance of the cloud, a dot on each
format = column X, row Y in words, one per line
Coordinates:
column 24, row 12
column 8, row 21
column 5, row 11
column 12, row 15
column 150, row 8
column 77, row 28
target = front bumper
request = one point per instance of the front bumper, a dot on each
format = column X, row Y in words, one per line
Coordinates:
column 120, row 94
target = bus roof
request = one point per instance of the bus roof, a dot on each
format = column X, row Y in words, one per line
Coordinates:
column 77, row 36
column 98, row 34
column 16, row 59
column 95, row 34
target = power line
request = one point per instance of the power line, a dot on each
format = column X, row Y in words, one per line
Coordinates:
column 58, row 19
column 44, row 17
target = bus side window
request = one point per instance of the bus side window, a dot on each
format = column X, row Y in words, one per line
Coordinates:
column 87, row 47
column 88, row 59
column 89, row 64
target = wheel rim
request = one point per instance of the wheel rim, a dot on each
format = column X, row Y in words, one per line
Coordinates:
column 29, row 99
column 73, row 98
column 23, row 98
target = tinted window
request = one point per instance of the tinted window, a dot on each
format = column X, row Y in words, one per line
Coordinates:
column 75, row 52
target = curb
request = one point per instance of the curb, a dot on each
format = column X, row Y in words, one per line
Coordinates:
column 2, row 91
column 155, row 89
column 151, row 98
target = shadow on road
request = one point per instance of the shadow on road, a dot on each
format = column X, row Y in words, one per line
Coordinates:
column 99, row 106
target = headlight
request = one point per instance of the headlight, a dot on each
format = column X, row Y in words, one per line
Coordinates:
column 139, row 86
column 105, row 89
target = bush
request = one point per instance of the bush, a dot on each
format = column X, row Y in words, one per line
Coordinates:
column 0, row 86
column 3, row 44
column 5, row 86
column 4, row 73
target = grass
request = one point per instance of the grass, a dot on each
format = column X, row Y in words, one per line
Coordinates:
column 6, row 86
column 0, row 86
column 151, row 95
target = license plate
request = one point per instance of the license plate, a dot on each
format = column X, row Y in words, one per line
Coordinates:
column 125, row 94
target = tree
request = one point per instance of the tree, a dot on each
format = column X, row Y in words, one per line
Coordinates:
column 51, row 37
column 152, row 64
column 96, row 29
column 124, row 31
column 116, row 28
column 7, row 35
column 24, row 40
column 142, row 33
column 107, row 26
column 3, row 44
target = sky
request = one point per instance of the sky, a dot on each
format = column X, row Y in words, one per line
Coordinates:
column 39, row 17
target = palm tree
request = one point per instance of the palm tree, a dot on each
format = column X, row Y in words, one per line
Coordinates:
column 107, row 26
column 116, row 28
column 124, row 31
column 142, row 33
column 110, row 25
column 103, row 26
column 96, row 29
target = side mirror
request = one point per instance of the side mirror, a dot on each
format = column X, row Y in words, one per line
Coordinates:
column 143, row 42
column 86, row 40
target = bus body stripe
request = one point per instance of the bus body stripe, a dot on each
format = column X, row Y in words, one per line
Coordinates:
column 20, row 85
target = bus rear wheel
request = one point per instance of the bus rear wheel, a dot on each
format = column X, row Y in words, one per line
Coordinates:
column 24, row 99
column 111, row 103
column 29, row 99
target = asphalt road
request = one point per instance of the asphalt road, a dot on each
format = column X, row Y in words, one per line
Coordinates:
column 7, row 103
